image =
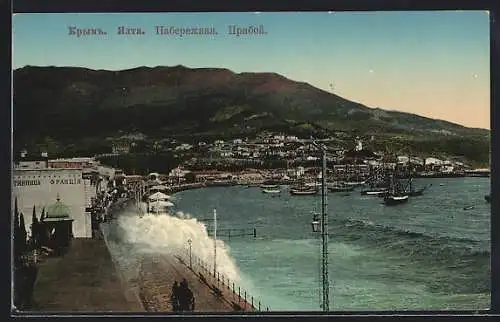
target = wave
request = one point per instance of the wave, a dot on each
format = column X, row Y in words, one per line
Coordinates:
column 456, row 265
column 132, row 236
column 419, row 243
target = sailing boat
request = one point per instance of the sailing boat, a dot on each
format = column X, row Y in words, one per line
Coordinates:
column 340, row 187
column 378, row 185
column 395, row 196
column 411, row 191
column 303, row 190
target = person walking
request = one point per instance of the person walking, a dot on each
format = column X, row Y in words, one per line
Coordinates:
column 186, row 298
column 175, row 297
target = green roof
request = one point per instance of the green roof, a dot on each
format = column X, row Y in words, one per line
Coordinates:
column 57, row 211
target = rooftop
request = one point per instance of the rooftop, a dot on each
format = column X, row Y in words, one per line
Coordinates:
column 57, row 212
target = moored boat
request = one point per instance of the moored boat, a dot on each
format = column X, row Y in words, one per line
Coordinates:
column 395, row 199
column 355, row 183
column 396, row 194
column 269, row 186
column 312, row 184
column 271, row 190
column 412, row 192
column 303, row 191
column 374, row 192
column 418, row 192
column 340, row 187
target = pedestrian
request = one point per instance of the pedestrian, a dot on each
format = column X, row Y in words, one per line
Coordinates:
column 175, row 297
column 186, row 298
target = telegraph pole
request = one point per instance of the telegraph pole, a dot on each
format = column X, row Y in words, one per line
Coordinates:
column 324, row 230
column 324, row 234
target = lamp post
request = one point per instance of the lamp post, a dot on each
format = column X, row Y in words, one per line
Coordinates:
column 215, row 242
column 190, row 258
column 321, row 225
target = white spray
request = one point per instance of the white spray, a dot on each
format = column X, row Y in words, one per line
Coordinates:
column 166, row 234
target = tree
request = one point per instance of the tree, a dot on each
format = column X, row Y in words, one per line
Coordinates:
column 41, row 232
column 16, row 233
column 34, row 229
column 22, row 233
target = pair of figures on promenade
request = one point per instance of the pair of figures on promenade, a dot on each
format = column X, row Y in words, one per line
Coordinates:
column 182, row 297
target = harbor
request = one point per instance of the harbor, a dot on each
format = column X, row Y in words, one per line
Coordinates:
column 138, row 235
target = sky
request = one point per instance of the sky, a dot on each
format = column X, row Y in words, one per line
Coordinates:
column 434, row 63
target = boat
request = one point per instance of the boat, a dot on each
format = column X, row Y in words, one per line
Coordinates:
column 487, row 198
column 418, row 192
column 269, row 186
column 312, row 184
column 412, row 192
column 379, row 186
column 374, row 192
column 303, row 191
column 271, row 190
column 395, row 195
column 395, row 199
column 355, row 183
column 340, row 187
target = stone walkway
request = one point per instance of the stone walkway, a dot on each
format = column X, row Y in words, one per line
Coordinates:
column 84, row 280
column 158, row 273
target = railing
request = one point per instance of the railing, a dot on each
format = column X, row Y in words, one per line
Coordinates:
column 239, row 298
column 231, row 233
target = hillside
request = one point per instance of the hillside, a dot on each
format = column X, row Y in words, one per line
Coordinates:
column 68, row 103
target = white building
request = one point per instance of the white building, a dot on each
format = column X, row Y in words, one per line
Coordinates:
column 433, row 161
column 359, row 145
column 178, row 172
column 35, row 164
column 41, row 187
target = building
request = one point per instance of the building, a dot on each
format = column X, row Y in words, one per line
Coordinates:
column 121, row 147
column 42, row 187
column 84, row 163
column 31, row 163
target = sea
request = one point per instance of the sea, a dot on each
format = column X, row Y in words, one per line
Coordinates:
column 432, row 253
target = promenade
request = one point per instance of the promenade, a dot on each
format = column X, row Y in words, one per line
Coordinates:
column 86, row 280
column 159, row 272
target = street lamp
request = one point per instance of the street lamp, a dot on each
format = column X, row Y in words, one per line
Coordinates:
column 190, row 258
column 215, row 242
column 316, row 223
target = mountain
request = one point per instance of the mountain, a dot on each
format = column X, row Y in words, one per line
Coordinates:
column 70, row 103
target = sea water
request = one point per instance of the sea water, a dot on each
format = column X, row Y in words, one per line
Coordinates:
column 430, row 253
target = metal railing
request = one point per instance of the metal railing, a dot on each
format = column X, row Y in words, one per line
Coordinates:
column 234, row 232
column 239, row 297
